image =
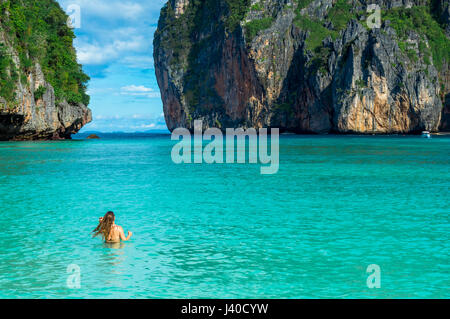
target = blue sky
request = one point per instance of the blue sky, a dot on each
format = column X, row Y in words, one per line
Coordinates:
column 115, row 46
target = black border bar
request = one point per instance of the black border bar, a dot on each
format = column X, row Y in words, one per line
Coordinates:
column 233, row 308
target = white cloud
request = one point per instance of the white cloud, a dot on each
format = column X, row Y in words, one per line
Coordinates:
column 139, row 62
column 97, row 54
column 139, row 90
column 147, row 126
column 136, row 88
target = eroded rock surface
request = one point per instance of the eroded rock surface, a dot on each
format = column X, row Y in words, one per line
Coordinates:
column 300, row 68
column 29, row 107
column 43, row 118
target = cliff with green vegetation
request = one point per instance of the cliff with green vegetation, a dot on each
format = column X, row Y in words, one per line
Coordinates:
column 305, row 66
column 42, row 87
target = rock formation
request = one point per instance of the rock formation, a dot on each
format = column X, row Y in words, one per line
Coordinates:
column 305, row 66
column 43, row 118
column 29, row 107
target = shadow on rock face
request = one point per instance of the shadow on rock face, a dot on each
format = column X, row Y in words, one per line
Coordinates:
column 9, row 125
column 445, row 122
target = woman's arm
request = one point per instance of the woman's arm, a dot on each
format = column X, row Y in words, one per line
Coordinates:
column 122, row 234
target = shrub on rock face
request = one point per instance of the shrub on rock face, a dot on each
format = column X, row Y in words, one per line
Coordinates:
column 39, row 93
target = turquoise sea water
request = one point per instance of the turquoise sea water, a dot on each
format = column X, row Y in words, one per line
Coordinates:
column 337, row 205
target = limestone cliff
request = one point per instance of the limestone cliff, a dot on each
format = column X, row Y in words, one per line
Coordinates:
column 42, row 89
column 305, row 66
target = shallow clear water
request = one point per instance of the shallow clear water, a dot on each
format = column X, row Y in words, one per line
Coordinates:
column 337, row 205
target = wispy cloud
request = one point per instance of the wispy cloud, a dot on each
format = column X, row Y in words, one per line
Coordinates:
column 136, row 88
column 138, row 62
column 139, row 90
column 98, row 54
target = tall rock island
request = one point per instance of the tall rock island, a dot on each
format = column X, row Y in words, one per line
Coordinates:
column 42, row 87
column 306, row 66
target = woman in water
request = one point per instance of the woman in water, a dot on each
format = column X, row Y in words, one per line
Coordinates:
column 110, row 232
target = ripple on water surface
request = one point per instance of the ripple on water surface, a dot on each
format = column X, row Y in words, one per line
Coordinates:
column 337, row 205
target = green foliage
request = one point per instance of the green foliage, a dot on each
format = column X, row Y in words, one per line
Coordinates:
column 39, row 93
column 410, row 52
column 403, row 46
column 284, row 109
column 360, row 83
column 426, row 52
column 238, row 9
column 317, row 32
column 320, row 59
column 257, row 7
column 303, row 3
column 8, row 76
column 412, row 55
column 176, row 32
column 39, row 32
column 254, row 27
column 341, row 14
column 421, row 20
column 177, row 35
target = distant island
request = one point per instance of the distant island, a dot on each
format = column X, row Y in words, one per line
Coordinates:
column 305, row 66
column 42, row 87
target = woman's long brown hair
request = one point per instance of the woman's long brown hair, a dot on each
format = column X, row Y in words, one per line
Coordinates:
column 105, row 226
